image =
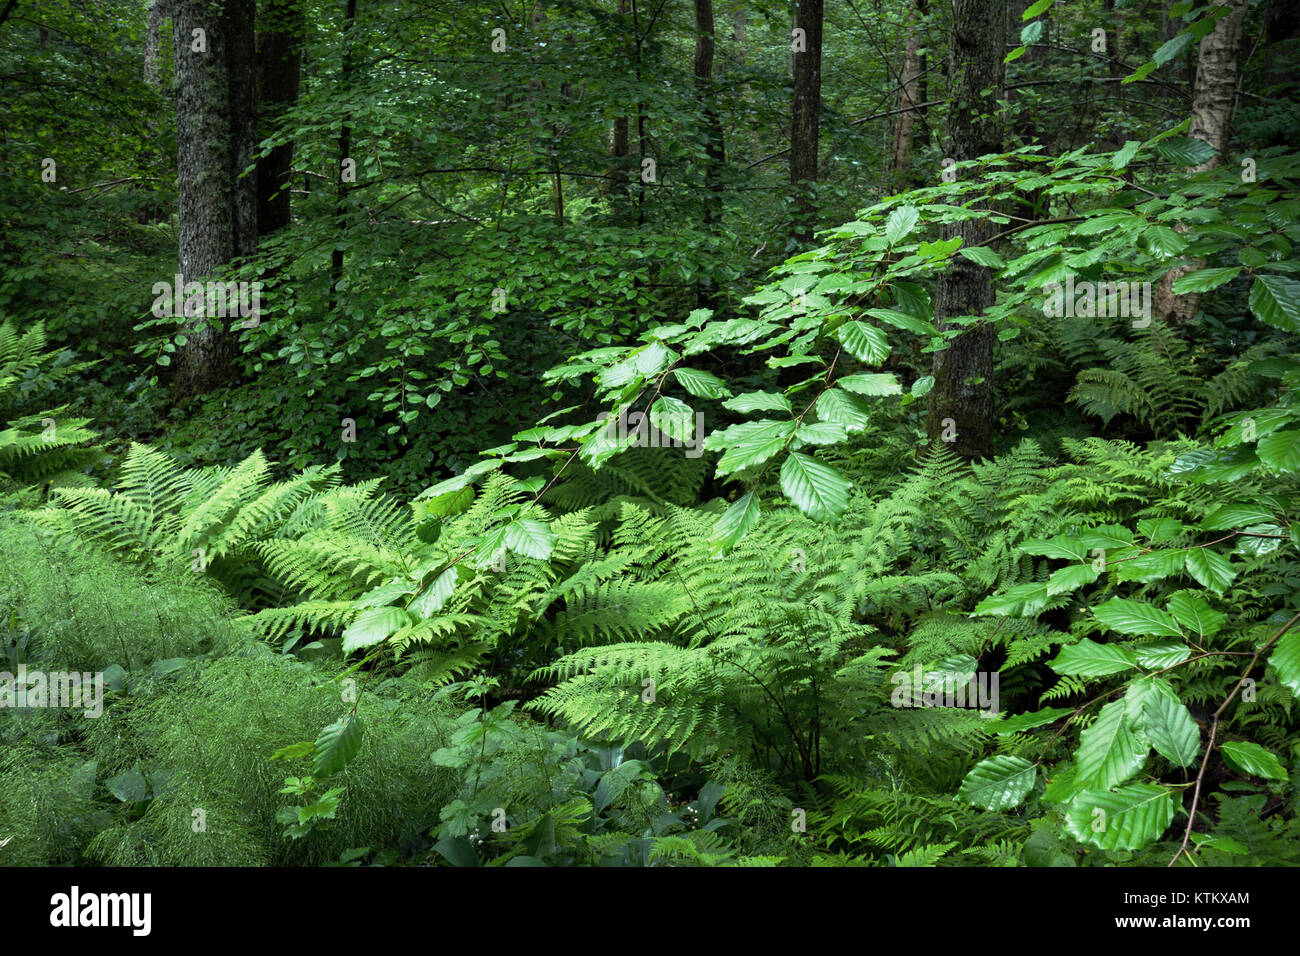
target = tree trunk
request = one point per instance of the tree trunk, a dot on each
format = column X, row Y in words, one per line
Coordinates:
column 805, row 115
column 907, row 94
column 345, row 149
column 1213, row 97
column 279, row 69
column 215, row 121
column 153, row 26
column 961, row 401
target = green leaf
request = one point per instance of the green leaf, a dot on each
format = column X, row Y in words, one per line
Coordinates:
column 1134, row 617
column 1203, row 280
column 1151, row 567
column 1168, row 51
column 431, row 600
column 758, row 402
column 871, row 383
column 1089, row 659
column 673, row 418
column 530, row 537
column 1160, row 654
column 1285, row 661
column 983, row 256
column 816, row 489
column 1020, row 600
column 1130, row 818
column 1035, row 9
column 701, row 384
column 998, row 783
column 303, row 748
column 900, row 222
column 337, row 745
column 1071, row 578
column 1110, row 751
column 822, row 433
column 835, row 405
column 1210, row 569
column 1281, row 452
column 614, row 782
column 734, row 523
column 749, row 444
column 866, row 343
column 1194, row 613
column 1124, row 156
column 1236, row 515
column 902, row 320
column 373, row 626
column 1275, row 300
column 1254, row 760
column 1185, row 150
column 1022, row 722
column 1169, row 726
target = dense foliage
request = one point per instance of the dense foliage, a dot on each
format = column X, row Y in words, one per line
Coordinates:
column 556, row 514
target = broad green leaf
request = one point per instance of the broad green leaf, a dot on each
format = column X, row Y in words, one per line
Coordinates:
column 431, row 600
column 1285, row 660
column 1275, row 300
column 1203, row 280
column 337, row 745
column 902, row 320
column 1194, row 613
column 816, row 489
column 1130, row 818
column 530, row 537
column 1254, row 760
column 1185, row 150
column 983, row 256
column 1020, row 600
column 1210, row 569
column 1134, row 617
column 1089, row 659
column 1124, row 156
column 673, row 418
column 1110, row 751
column 1071, row 578
column 1171, row 730
column 758, row 402
column 998, row 783
column 871, row 383
column 1171, row 49
column 1237, row 515
column 701, row 384
column 836, row 405
column 1039, row 6
column 734, row 523
column 1281, row 451
column 900, row 222
column 373, row 626
column 1061, row 546
column 866, row 343
column 1021, row 722
column 749, row 443
column 1160, row 654
column 822, row 433
column 1151, row 567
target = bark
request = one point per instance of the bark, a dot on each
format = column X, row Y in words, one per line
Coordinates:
column 345, row 149
column 907, row 98
column 1213, row 97
column 216, row 207
column 962, row 396
column 805, row 116
column 279, row 63
column 153, row 25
